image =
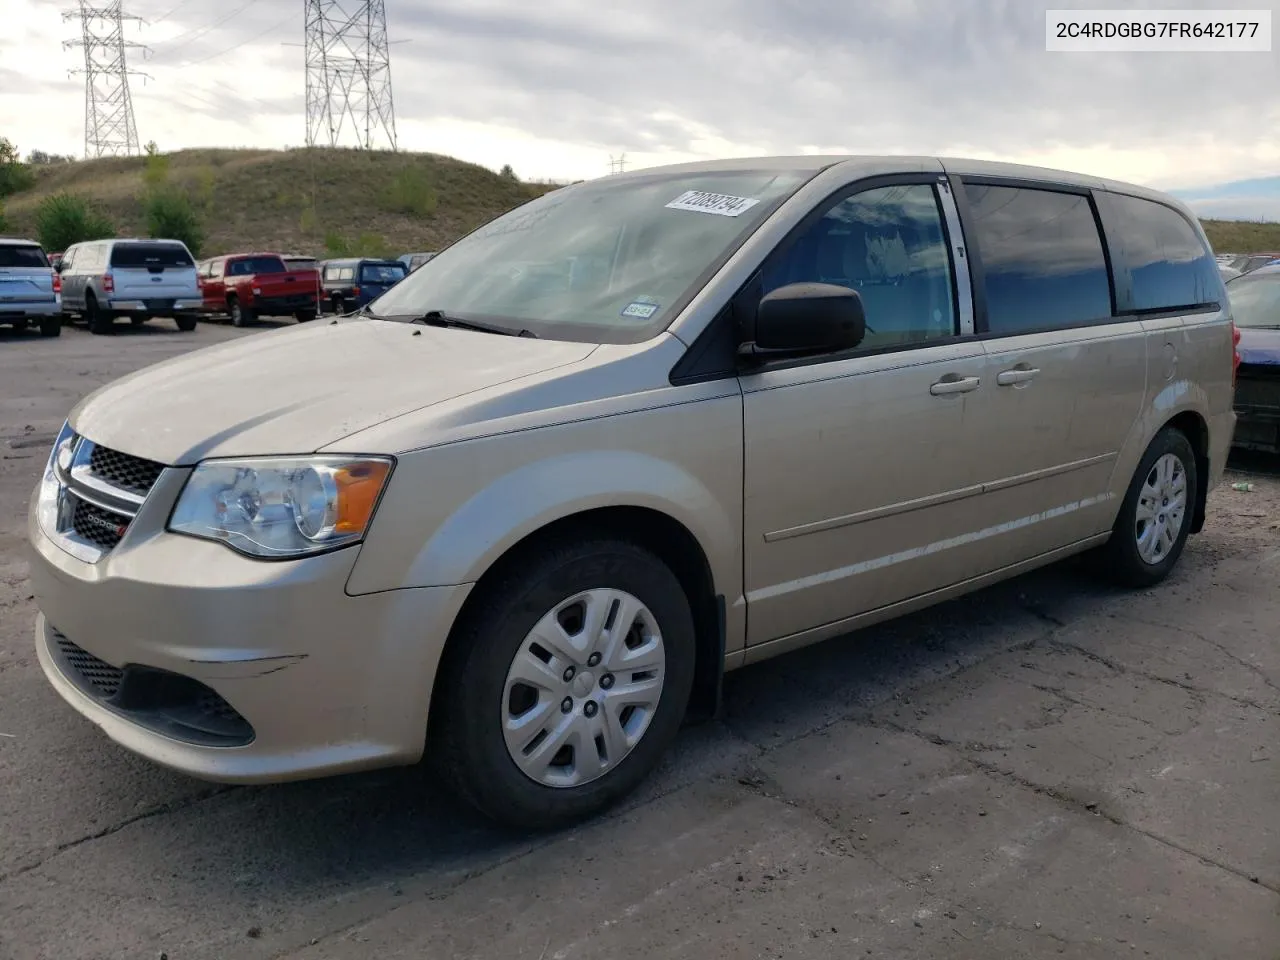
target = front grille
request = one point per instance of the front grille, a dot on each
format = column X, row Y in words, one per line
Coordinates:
column 122, row 470
column 100, row 527
column 102, row 678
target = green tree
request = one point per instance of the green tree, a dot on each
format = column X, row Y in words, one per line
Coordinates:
column 172, row 216
column 66, row 218
column 507, row 173
column 14, row 174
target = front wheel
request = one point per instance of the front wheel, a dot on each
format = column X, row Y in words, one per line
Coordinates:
column 566, row 684
column 1155, row 517
column 241, row 316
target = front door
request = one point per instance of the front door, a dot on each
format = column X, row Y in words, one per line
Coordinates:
column 858, row 466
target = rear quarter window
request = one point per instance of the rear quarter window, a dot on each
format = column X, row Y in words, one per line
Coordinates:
column 150, row 255
column 29, row 256
column 1171, row 266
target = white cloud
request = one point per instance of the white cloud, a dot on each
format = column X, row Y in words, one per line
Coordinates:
column 555, row 88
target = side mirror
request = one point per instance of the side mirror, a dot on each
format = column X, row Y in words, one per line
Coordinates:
column 58, row 267
column 806, row 318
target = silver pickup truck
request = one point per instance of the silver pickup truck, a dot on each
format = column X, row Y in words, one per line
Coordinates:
column 28, row 292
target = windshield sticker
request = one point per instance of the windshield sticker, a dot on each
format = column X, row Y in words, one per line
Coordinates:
column 699, row 201
column 641, row 308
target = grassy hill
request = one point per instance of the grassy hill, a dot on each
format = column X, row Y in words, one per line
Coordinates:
column 309, row 200
column 293, row 200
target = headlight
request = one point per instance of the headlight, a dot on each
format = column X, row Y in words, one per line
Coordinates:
column 281, row 509
column 47, row 498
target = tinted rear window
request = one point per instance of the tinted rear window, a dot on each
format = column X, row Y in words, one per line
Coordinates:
column 15, row 256
column 382, row 273
column 1171, row 266
column 150, row 255
column 242, row 268
column 1042, row 255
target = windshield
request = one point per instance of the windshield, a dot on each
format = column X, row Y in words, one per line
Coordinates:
column 608, row 261
column 12, row 255
column 1255, row 300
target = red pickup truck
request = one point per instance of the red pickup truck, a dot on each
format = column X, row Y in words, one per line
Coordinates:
column 245, row 286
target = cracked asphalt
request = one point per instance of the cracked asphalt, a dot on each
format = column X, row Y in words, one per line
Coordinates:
column 1049, row 768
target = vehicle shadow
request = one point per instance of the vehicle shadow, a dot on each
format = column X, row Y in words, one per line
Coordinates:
column 397, row 829
column 1254, row 462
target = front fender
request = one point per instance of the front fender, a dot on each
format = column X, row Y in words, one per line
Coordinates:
column 452, row 511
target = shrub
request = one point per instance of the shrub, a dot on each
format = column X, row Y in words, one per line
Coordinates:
column 507, row 173
column 171, row 216
column 66, row 218
column 411, row 192
column 4, row 224
column 14, row 174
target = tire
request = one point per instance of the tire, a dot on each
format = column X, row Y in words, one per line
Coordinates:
column 240, row 316
column 50, row 326
column 98, row 322
column 186, row 323
column 475, row 690
column 137, row 321
column 20, row 325
column 1122, row 558
column 339, row 307
column 305, row 316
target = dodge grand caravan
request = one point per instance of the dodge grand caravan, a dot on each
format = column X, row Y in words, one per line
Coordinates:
column 523, row 515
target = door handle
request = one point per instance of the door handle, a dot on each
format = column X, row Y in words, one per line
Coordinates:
column 1010, row 377
column 944, row 386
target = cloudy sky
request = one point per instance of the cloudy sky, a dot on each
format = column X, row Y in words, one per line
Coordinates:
column 554, row 87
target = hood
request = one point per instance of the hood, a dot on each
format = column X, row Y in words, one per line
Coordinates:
column 297, row 389
column 1259, row 346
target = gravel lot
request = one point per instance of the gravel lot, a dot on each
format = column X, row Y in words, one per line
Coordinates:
column 1045, row 769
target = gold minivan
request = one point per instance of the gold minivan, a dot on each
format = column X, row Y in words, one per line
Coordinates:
column 523, row 512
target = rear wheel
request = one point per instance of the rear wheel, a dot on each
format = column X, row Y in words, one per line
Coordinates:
column 241, row 316
column 50, row 326
column 339, row 306
column 1155, row 517
column 97, row 321
column 567, row 683
column 186, row 323
column 20, row 324
column 137, row 321
column 305, row 316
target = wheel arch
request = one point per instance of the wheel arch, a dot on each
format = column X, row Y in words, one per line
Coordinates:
column 661, row 534
column 1194, row 427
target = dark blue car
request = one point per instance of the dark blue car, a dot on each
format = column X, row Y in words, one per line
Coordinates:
column 1255, row 305
column 355, row 282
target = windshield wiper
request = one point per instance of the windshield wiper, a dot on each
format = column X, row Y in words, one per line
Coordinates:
column 438, row 318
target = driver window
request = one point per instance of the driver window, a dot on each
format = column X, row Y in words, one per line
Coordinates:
column 888, row 244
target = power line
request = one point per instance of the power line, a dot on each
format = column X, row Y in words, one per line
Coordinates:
column 348, row 64
column 109, row 125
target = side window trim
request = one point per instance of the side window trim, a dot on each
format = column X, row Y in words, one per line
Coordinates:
column 1113, row 262
column 961, row 282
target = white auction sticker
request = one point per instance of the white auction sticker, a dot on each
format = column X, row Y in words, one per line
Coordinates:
column 699, row 201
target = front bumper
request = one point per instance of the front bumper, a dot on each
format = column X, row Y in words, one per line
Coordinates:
column 324, row 682
column 1257, row 409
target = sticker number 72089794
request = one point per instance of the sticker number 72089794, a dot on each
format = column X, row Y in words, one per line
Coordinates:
column 699, row 201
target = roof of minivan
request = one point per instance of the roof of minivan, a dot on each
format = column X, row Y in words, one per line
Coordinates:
column 814, row 163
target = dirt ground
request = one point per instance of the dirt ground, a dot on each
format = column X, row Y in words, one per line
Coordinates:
column 1049, row 768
